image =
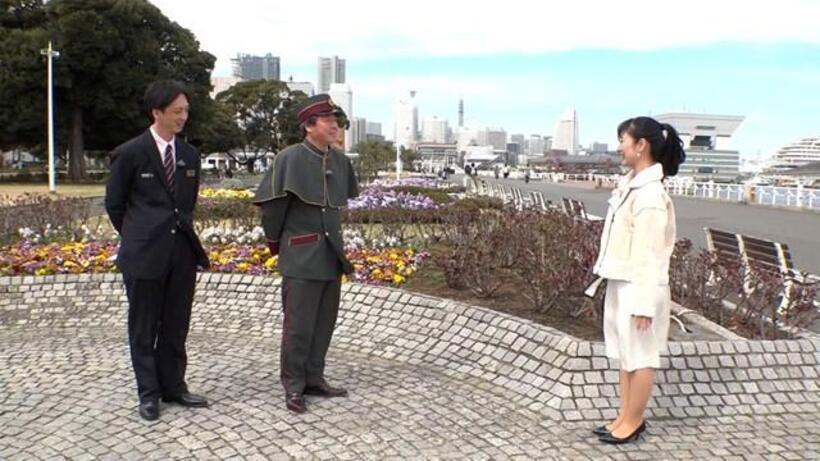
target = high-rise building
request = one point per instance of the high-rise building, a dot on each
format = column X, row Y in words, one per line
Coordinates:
column 358, row 131
column 461, row 112
column 374, row 128
column 434, row 130
column 521, row 141
column 407, row 122
column 331, row 70
column 566, row 133
column 535, row 145
column 495, row 137
column 598, row 148
column 249, row 67
column 342, row 95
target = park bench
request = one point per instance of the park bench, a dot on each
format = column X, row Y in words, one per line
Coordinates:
column 757, row 254
column 538, row 201
column 574, row 208
column 517, row 198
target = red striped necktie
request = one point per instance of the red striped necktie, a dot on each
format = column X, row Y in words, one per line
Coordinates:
column 170, row 168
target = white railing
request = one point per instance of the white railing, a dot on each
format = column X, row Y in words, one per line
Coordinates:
column 708, row 190
column 799, row 196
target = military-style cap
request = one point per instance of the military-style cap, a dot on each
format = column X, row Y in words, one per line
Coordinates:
column 321, row 104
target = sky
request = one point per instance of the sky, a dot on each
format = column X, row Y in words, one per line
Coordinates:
column 520, row 64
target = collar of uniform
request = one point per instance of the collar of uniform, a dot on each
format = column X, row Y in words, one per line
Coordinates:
column 653, row 173
column 315, row 149
column 161, row 143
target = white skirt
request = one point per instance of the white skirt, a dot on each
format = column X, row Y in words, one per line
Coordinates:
column 634, row 349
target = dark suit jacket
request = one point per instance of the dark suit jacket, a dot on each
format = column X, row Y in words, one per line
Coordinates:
column 143, row 210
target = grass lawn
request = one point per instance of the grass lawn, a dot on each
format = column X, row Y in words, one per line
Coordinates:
column 70, row 190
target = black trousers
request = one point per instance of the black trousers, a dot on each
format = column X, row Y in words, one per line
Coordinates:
column 310, row 311
column 159, row 314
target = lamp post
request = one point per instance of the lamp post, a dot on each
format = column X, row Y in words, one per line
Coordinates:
column 52, row 176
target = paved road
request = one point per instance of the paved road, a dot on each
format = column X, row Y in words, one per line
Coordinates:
column 67, row 393
column 799, row 229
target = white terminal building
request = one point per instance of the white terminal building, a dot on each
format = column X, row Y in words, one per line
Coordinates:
column 707, row 142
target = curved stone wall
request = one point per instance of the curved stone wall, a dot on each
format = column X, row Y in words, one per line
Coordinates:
column 556, row 375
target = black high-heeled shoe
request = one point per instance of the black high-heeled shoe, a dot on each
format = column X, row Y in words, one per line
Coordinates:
column 611, row 439
column 600, row 430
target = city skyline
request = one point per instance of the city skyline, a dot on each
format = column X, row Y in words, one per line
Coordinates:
column 742, row 59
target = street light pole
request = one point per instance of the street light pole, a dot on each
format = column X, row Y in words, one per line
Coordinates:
column 52, row 175
column 398, row 161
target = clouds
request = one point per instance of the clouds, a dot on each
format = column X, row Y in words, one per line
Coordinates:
column 519, row 64
column 370, row 29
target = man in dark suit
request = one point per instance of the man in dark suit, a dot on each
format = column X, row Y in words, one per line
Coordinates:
column 301, row 197
column 150, row 199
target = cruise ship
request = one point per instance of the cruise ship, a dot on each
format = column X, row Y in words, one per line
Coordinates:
column 795, row 155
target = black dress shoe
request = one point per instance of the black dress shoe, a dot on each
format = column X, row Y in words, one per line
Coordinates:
column 611, row 439
column 186, row 399
column 295, row 402
column 324, row 389
column 149, row 410
column 601, row 430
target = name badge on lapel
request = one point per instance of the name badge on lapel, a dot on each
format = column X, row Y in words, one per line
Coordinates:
column 190, row 173
column 146, row 175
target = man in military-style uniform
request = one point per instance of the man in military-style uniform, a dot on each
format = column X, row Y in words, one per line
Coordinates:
column 301, row 197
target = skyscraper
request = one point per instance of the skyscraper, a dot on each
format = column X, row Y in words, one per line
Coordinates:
column 374, row 128
column 461, row 112
column 566, row 133
column 342, row 95
column 331, row 70
column 434, row 130
column 249, row 67
column 358, row 131
column 522, row 143
column 407, row 122
column 495, row 137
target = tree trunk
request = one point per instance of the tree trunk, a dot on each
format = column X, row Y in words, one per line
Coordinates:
column 76, row 155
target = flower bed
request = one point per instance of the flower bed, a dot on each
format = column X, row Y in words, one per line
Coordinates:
column 231, row 194
column 380, row 266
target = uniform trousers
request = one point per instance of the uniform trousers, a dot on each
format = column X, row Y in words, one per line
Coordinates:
column 310, row 311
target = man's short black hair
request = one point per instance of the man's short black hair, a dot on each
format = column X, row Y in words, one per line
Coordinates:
column 161, row 93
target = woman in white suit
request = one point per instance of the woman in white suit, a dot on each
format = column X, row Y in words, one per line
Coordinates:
column 636, row 246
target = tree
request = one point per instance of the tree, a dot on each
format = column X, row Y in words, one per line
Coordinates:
column 110, row 51
column 221, row 132
column 373, row 156
column 22, row 73
column 408, row 158
column 265, row 111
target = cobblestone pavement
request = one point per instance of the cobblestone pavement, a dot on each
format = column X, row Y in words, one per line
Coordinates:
column 69, row 393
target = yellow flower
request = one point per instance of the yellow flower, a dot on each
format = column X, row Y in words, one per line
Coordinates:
column 270, row 263
column 398, row 279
